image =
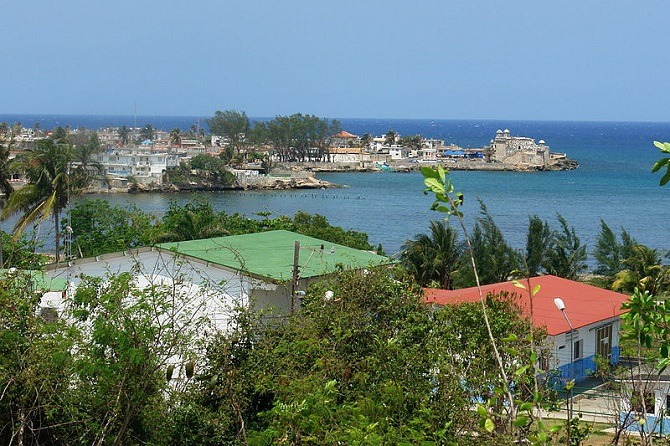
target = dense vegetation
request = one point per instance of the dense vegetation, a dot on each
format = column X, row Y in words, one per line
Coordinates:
column 99, row 227
column 363, row 362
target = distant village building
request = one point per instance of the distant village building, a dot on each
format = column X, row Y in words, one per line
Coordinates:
column 144, row 167
column 343, row 139
column 519, row 150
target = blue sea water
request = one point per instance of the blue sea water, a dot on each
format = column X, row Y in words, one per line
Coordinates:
column 613, row 182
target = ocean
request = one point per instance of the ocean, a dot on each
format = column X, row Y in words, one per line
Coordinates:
column 613, row 182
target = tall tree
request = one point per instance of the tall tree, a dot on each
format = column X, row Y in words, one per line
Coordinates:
column 83, row 158
column 537, row 242
column 124, row 135
column 6, row 188
column 366, row 141
column 610, row 253
column 643, row 270
column 148, row 132
column 494, row 257
column 233, row 125
column 566, row 256
column 432, row 258
column 51, row 183
column 175, row 136
column 391, row 137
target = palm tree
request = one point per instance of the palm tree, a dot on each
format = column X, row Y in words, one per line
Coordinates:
column 6, row 188
column 124, row 135
column 390, row 138
column 644, row 271
column 366, row 141
column 148, row 132
column 432, row 258
column 50, row 185
column 84, row 164
column 175, row 136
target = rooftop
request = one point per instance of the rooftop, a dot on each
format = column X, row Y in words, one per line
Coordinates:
column 270, row 254
column 584, row 304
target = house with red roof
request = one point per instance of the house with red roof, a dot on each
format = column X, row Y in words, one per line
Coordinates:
column 593, row 312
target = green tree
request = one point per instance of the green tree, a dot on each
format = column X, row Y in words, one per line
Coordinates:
column 610, row 253
column 496, row 260
column 643, row 270
column 233, row 125
column 124, row 135
column 84, row 163
column 366, row 141
column 566, row 256
column 128, row 341
column 175, row 136
column 192, row 221
column 538, row 240
column 358, row 367
column 6, row 144
column 411, row 141
column 60, row 135
column 148, row 132
column 391, row 138
column 99, row 228
column 35, row 360
column 51, row 184
column 432, row 258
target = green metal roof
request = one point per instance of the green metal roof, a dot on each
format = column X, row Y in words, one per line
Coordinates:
column 38, row 279
column 270, row 254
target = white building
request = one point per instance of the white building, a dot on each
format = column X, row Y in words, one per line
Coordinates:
column 144, row 166
column 219, row 274
column 593, row 312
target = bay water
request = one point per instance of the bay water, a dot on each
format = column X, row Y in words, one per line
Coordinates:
column 613, row 182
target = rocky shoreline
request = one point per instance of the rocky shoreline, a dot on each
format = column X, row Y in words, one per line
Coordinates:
column 301, row 176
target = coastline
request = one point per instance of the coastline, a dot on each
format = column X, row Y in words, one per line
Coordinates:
column 302, row 175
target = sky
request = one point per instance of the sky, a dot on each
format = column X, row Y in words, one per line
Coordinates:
column 436, row 59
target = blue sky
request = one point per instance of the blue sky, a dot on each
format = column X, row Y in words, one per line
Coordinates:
column 486, row 59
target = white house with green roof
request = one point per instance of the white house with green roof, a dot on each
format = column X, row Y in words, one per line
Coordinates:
column 261, row 270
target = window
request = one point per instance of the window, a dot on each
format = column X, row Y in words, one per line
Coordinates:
column 604, row 341
column 577, row 350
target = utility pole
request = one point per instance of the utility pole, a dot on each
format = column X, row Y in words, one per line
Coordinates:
column 296, row 274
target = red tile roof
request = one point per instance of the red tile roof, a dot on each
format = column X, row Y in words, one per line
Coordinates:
column 344, row 134
column 584, row 304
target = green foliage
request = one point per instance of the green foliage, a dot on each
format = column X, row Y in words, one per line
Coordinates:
column 194, row 220
column 51, row 183
column 607, row 252
column 148, row 132
column 100, row 228
column 432, row 259
column 35, row 361
column 363, row 366
column 233, row 125
column 494, row 257
column 566, row 256
column 537, row 242
column 299, row 137
column 20, row 252
column 209, row 170
column 643, row 269
column 664, row 147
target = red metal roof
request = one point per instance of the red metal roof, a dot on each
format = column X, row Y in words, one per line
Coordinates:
column 584, row 304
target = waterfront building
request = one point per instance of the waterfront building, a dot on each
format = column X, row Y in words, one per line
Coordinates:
column 519, row 150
